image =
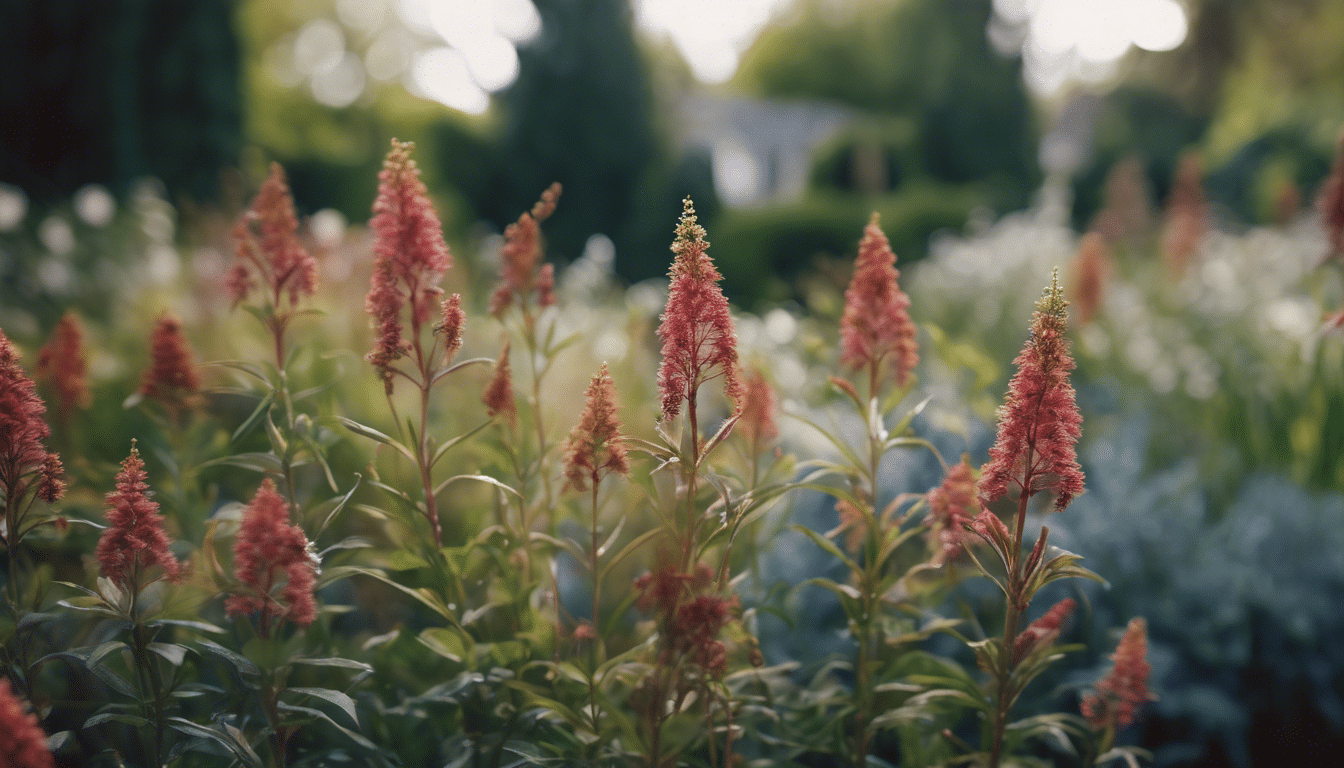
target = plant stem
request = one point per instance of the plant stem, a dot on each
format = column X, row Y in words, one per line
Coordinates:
column 1016, row 604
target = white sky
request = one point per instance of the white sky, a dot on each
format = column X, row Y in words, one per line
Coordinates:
column 458, row 52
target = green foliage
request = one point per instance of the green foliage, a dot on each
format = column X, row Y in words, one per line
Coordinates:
column 764, row 250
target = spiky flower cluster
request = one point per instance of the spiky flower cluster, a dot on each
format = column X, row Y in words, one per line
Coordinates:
column 62, row 362
column 594, row 446
column 1119, row 695
column 1043, row 631
column 1039, row 423
column 696, row 330
column 691, row 616
column 409, row 258
column 22, row 743
column 1127, row 209
column 952, row 507
column 1330, row 203
column 1089, row 275
column 1187, row 214
column 268, row 247
column 22, row 432
column 267, row 551
column 451, row 326
column 519, row 274
column 498, row 395
column 134, row 540
column 171, row 378
column 876, row 325
column 757, row 422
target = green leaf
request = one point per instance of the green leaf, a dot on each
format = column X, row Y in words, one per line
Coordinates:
column 373, row 434
column 627, row 550
column 828, row 545
column 442, row 449
column 328, row 509
column 116, row 717
column 244, row 666
column 254, row 418
column 445, row 642
column 201, row 626
column 175, row 654
column 332, row 661
column 237, row 746
column 405, row 560
column 478, row 478
column 266, row 463
column 329, row 695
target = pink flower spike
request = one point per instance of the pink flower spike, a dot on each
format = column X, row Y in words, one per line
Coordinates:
column 498, row 395
column 594, row 445
column 171, row 378
column 62, row 362
column 1039, row 423
column 22, row 428
column 1043, row 631
column 876, row 326
column 268, row 550
column 696, row 330
column 1119, row 695
column 1330, row 203
column 22, row 742
column 757, row 423
column 952, row 507
column 519, row 274
column 268, row 245
column 451, row 326
column 134, row 540
column 409, row 258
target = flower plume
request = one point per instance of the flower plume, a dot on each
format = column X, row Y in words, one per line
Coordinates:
column 171, row 378
column 268, row 248
column 22, row 743
column 876, row 326
column 451, row 326
column 409, row 259
column 134, row 540
column 696, row 330
column 594, row 445
column 1043, row 631
column 758, row 410
column 62, row 363
column 1090, row 273
column 268, row 552
column 498, row 395
column 23, row 457
column 1039, row 423
column 1330, row 203
column 1119, row 695
column 952, row 507
column 519, row 275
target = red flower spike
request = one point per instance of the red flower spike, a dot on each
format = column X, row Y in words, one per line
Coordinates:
column 1039, row 423
column 594, row 445
column 1330, row 203
column 876, row 325
column 62, row 362
column 1091, row 270
column 519, row 275
column 696, row 329
column 952, row 507
column 22, row 429
column 268, row 245
column 1119, row 695
column 171, row 378
column 1187, row 214
column 498, row 397
column 268, row 549
column 660, row 590
column 757, row 422
column 409, row 257
column 1043, row 631
column 22, row 742
column 451, row 326
column 51, row 480
column 134, row 540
